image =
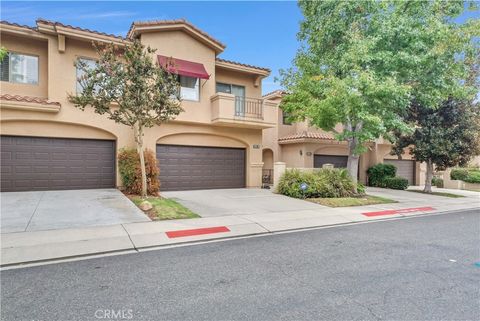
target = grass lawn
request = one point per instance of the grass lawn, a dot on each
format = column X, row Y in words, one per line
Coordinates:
column 351, row 201
column 164, row 209
column 445, row 194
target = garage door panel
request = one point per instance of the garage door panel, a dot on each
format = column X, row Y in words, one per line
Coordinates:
column 405, row 168
column 193, row 167
column 338, row 161
column 37, row 163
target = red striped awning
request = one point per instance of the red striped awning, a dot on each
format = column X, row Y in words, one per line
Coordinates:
column 183, row 67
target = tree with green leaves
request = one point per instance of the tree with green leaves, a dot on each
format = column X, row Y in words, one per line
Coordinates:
column 3, row 53
column 446, row 136
column 361, row 62
column 131, row 89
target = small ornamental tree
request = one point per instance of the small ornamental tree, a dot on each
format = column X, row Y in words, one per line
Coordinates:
column 448, row 135
column 445, row 137
column 131, row 89
column 360, row 63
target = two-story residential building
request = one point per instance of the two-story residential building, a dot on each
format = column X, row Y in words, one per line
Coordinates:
column 47, row 143
column 302, row 146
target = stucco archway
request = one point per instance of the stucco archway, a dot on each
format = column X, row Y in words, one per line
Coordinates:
column 267, row 158
column 48, row 128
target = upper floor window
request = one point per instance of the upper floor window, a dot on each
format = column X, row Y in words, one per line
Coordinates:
column 89, row 64
column 19, row 68
column 285, row 118
column 189, row 88
column 231, row 89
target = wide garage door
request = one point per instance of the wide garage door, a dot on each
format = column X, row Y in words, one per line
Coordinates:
column 405, row 168
column 194, row 167
column 337, row 161
column 38, row 163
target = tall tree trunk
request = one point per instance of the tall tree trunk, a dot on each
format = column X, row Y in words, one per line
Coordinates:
column 353, row 157
column 138, row 131
column 352, row 162
column 428, row 177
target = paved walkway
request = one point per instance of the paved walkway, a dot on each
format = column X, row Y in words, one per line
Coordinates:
column 47, row 245
column 48, row 210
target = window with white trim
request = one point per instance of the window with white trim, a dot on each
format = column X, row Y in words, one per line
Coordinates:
column 19, row 68
column 89, row 64
column 189, row 88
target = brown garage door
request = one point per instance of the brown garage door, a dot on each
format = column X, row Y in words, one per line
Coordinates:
column 38, row 163
column 193, row 167
column 405, row 168
column 337, row 161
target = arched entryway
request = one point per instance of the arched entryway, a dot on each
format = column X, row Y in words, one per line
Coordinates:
column 267, row 170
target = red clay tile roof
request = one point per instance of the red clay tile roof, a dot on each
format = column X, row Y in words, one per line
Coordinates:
column 240, row 64
column 173, row 22
column 27, row 99
column 56, row 23
column 17, row 25
column 307, row 135
column 278, row 91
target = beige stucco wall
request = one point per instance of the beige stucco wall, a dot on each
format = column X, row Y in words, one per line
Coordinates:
column 30, row 47
column 240, row 79
column 193, row 127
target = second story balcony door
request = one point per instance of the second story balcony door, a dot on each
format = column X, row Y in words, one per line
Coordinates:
column 239, row 92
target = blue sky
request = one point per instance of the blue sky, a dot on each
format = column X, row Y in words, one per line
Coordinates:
column 257, row 33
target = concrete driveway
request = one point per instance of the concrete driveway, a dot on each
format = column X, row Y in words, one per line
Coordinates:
column 47, row 210
column 238, row 201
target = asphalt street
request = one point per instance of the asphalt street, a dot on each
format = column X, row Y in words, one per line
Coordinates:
column 421, row 268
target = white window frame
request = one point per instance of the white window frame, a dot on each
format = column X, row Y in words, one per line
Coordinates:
column 197, row 86
column 77, row 83
column 9, row 53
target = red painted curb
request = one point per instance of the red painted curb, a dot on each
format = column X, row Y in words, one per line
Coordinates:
column 400, row 211
column 197, row 231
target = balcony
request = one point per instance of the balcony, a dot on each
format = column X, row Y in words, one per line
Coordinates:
column 235, row 111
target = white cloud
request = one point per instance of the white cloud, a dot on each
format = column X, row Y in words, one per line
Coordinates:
column 108, row 14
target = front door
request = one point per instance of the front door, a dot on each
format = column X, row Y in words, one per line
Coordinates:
column 239, row 92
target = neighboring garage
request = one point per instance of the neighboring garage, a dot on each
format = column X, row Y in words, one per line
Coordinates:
column 405, row 168
column 38, row 163
column 195, row 167
column 337, row 161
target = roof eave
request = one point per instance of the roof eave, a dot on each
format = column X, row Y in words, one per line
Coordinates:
column 52, row 29
column 225, row 65
column 22, row 31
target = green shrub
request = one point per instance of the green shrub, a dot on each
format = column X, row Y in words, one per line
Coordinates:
column 376, row 174
column 459, row 174
column 131, row 174
column 469, row 175
column 473, row 177
column 395, row 182
column 438, row 182
column 320, row 183
column 361, row 188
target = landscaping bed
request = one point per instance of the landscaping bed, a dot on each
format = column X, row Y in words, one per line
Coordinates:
column 163, row 208
column 445, row 194
column 351, row 201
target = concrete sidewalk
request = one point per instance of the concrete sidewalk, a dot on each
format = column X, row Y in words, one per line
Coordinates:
column 28, row 247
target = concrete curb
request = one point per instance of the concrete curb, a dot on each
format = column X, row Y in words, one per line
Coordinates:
column 150, row 241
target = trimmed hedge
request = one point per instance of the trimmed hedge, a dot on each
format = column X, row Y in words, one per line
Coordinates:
column 378, row 172
column 319, row 183
column 395, row 183
column 466, row 175
column 460, row 174
column 130, row 171
column 438, row 182
column 383, row 175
